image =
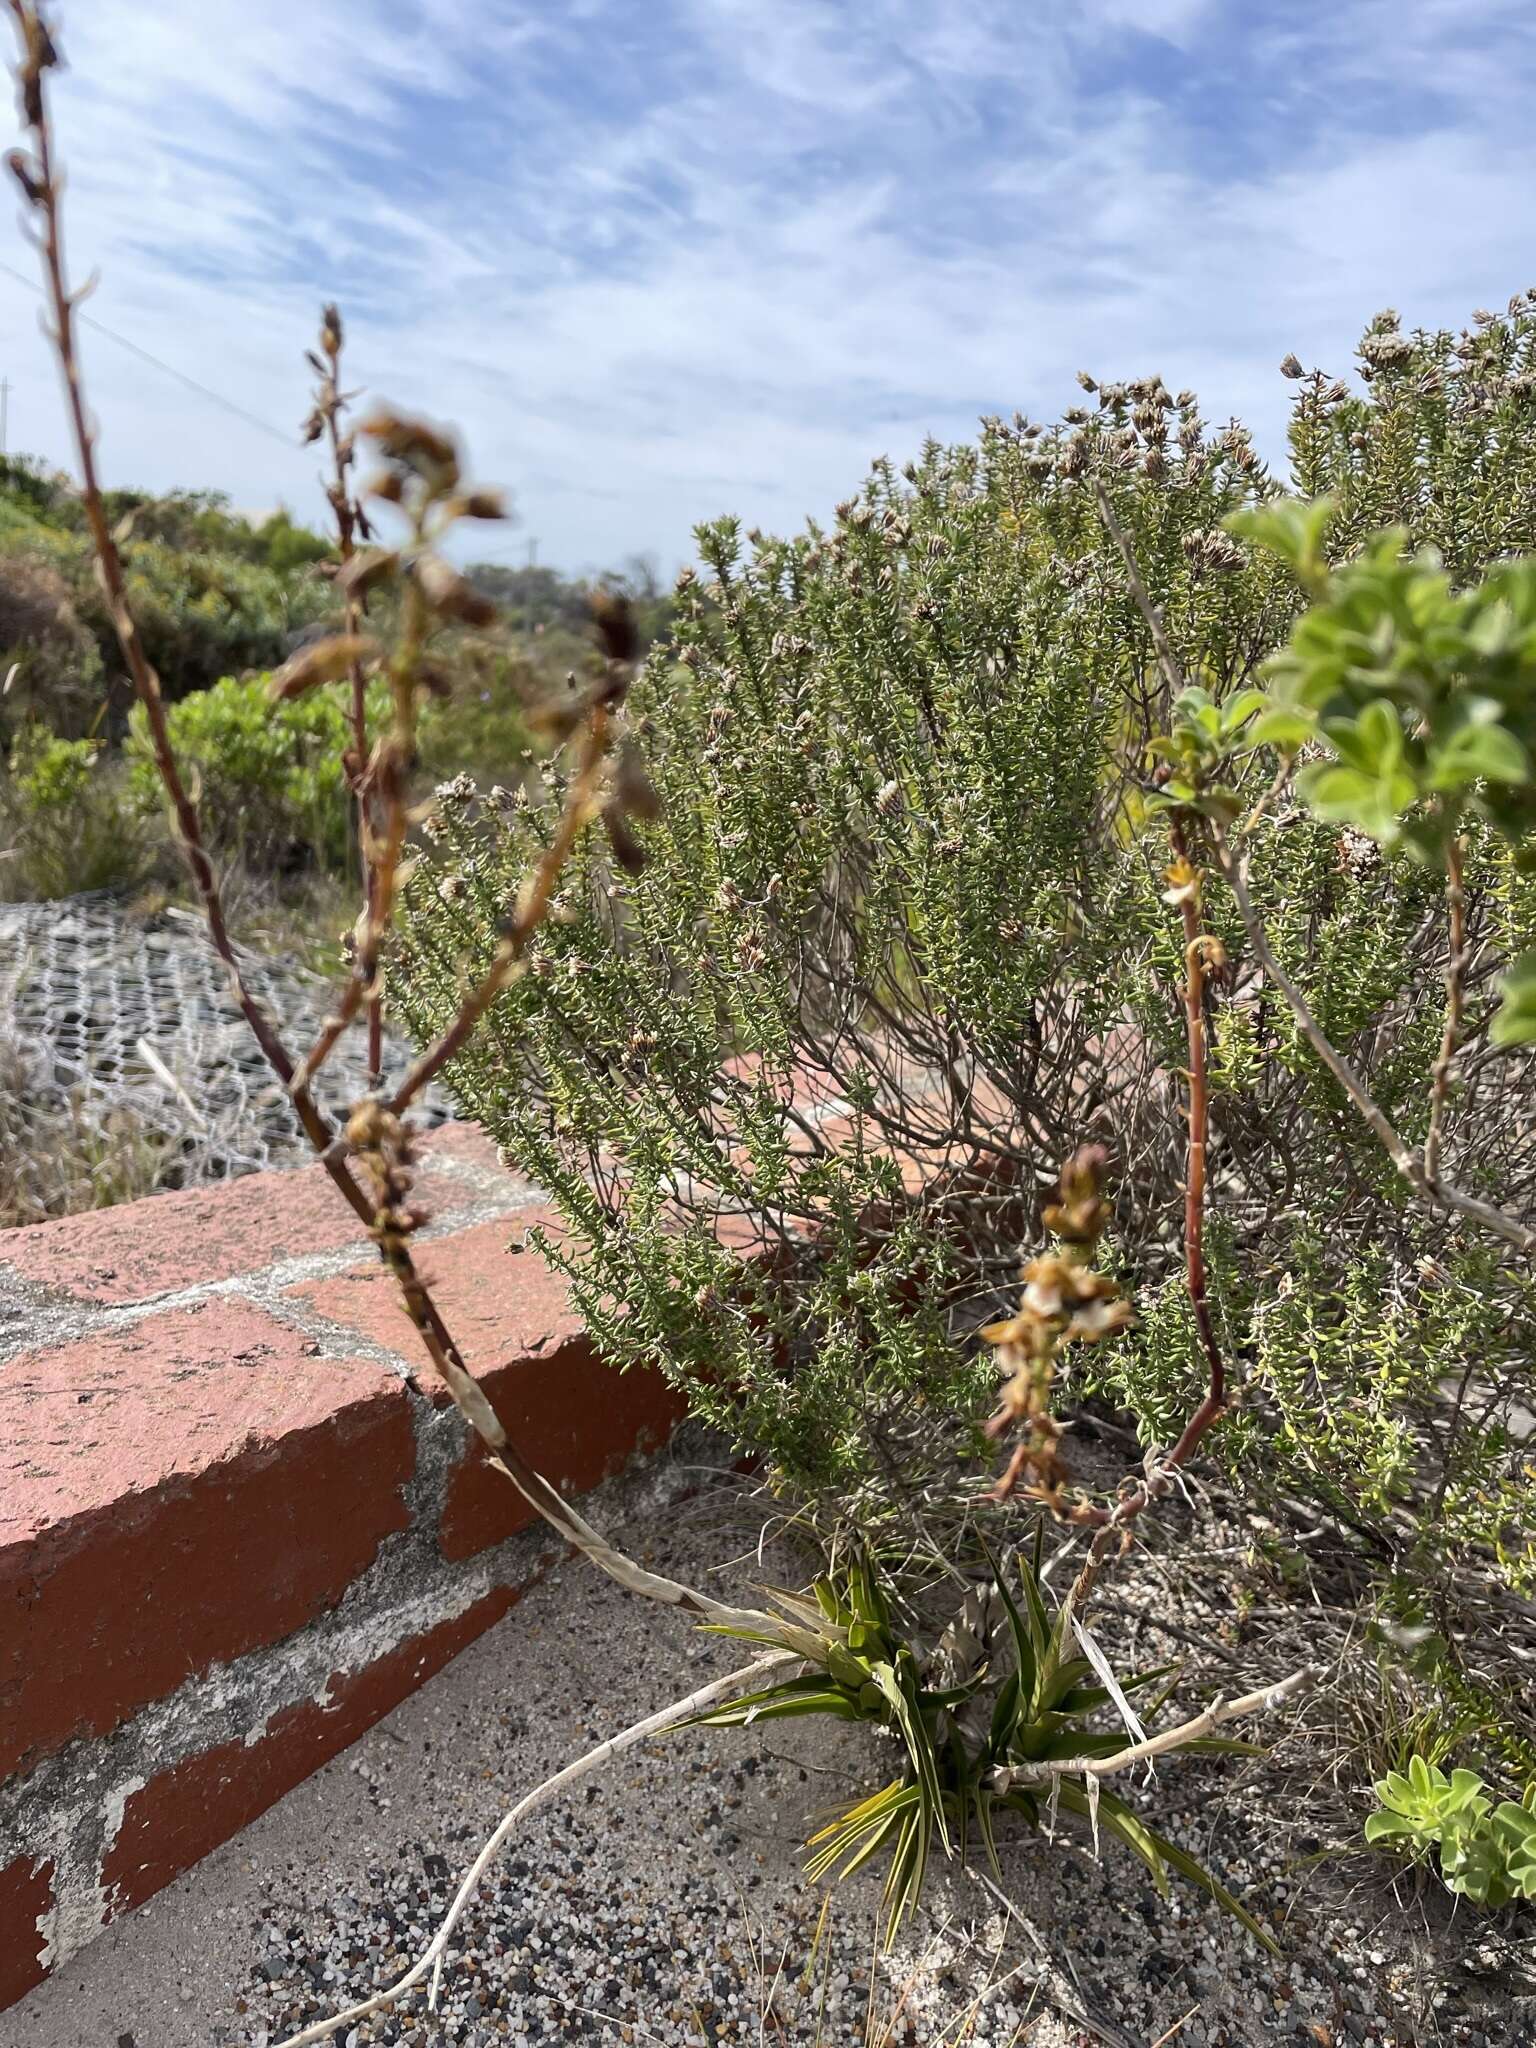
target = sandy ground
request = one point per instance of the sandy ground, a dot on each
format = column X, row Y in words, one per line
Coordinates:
column 662, row 1902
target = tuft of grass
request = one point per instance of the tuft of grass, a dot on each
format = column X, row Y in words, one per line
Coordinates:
column 56, row 1159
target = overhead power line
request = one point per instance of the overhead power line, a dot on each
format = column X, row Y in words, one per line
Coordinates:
column 229, row 405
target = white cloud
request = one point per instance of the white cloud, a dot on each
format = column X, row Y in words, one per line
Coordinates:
column 664, row 263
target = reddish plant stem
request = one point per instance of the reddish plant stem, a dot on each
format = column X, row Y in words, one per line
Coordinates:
column 1195, row 1166
column 1159, row 1478
column 364, row 984
column 1455, row 1003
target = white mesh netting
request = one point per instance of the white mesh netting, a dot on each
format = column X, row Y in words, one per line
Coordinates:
column 125, row 1013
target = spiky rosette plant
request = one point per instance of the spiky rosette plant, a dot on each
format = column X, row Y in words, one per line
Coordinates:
column 999, row 1720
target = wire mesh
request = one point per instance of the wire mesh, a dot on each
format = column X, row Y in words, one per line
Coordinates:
column 123, row 1013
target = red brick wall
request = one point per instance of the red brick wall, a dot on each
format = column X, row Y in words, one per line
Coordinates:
column 237, row 1524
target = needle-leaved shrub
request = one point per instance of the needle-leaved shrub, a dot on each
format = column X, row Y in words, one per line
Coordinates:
column 898, row 941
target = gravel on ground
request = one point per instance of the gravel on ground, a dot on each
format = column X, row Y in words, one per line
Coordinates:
column 662, row 1902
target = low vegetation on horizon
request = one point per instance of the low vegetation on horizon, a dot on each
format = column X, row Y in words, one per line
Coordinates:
column 220, row 601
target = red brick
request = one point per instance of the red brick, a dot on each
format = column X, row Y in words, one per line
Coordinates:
column 26, row 1895
column 498, row 1304
column 575, row 1418
column 174, row 1493
column 179, row 1817
column 142, row 1249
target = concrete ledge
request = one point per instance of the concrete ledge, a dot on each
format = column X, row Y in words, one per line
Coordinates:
column 237, row 1524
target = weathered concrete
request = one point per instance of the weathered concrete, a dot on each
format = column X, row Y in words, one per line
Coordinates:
column 238, row 1524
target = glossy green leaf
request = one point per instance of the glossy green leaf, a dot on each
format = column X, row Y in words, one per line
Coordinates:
column 1282, row 728
column 1478, row 753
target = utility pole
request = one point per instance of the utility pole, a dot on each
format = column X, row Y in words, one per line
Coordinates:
column 533, row 553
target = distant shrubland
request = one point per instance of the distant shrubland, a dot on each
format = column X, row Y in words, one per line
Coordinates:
column 220, row 600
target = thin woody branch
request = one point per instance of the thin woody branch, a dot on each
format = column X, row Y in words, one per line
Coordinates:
column 1195, row 947
column 376, row 1136
column 1408, row 1163
column 1215, row 1716
column 386, row 779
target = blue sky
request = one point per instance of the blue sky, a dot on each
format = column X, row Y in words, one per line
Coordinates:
column 662, row 259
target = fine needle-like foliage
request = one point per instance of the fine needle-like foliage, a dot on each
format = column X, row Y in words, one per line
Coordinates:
column 916, row 920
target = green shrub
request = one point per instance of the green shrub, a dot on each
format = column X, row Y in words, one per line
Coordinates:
column 201, row 523
column 51, row 774
column 270, row 774
column 205, row 615
column 271, row 780
column 480, row 728
column 26, row 483
column 905, row 865
column 68, row 827
column 47, row 651
column 213, row 593
column 286, row 547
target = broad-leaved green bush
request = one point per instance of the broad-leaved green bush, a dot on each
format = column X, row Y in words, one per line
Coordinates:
column 214, row 595
column 64, row 819
column 271, row 776
column 205, row 615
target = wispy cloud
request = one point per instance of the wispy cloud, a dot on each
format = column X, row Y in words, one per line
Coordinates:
column 705, row 255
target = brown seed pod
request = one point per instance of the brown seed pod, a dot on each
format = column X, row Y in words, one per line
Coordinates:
column 25, row 173
column 451, row 595
column 363, row 571
column 323, row 661
column 614, row 617
column 479, row 505
column 427, row 451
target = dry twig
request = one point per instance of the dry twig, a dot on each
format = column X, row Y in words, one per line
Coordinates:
column 373, row 1131
column 1204, row 1723
column 431, row 1957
